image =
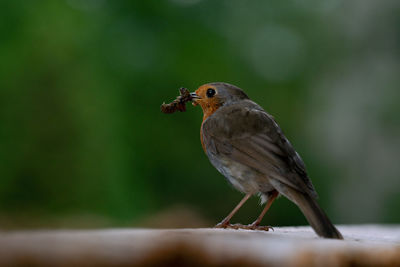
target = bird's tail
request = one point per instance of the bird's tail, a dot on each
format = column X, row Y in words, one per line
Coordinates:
column 315, row 216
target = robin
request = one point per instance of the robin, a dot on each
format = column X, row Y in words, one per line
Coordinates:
column 245, row 144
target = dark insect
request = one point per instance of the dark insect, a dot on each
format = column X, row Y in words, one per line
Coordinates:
column 179, row 103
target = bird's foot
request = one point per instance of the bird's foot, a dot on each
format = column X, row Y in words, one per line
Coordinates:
column 242, row 226
column 252, row 227
column 223, row 224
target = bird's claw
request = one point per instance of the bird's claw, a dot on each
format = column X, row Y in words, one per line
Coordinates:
column 237, row 226
column 222, row 225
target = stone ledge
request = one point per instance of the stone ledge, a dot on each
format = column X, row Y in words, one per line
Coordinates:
column 289, row 246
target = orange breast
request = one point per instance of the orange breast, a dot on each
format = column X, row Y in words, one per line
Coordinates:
column 201, row 138
column 207, row 113
column 208, row 105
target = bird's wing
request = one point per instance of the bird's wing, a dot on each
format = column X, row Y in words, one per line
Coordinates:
column 250, row 136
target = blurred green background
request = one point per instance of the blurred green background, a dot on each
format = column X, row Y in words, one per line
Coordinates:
column 83, row 143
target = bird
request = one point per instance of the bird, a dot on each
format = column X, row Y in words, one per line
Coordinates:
column 246, row 145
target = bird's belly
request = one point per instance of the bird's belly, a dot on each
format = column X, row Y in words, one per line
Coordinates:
column 243, row 178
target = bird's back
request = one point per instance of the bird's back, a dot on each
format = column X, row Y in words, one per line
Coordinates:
column 244, row 138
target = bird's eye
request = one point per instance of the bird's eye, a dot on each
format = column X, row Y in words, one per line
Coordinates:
column 210, row 92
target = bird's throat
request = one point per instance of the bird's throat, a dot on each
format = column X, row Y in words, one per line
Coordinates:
column 209, row 108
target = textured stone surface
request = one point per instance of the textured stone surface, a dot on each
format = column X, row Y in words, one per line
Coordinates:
column 296, row 246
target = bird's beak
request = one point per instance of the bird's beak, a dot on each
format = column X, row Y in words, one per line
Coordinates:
column 194, row 95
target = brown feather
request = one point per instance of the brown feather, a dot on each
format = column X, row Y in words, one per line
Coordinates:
column 247, row 134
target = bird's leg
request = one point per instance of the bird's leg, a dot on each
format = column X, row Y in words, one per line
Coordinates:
column 256, row 223
column 225, row 222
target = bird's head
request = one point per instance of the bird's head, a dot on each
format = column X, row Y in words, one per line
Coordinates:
column 212, row 96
